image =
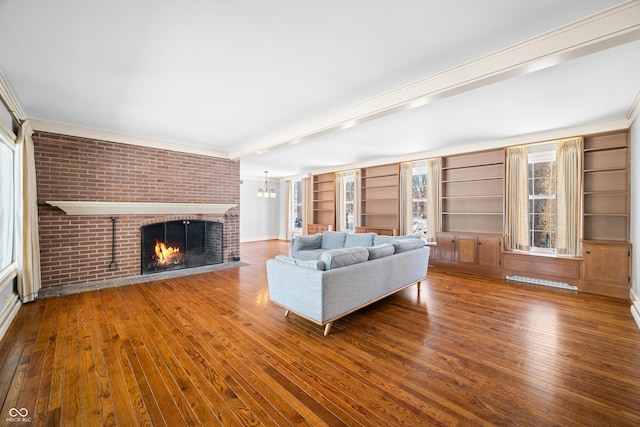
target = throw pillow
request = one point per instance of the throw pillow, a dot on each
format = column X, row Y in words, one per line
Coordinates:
column 314, row 264
column 404, row 245
column 336, row 258
column 381, row 251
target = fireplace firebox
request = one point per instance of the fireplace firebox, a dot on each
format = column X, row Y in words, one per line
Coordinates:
column 174, row 245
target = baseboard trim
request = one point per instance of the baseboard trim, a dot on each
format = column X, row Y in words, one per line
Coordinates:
column 259, row 239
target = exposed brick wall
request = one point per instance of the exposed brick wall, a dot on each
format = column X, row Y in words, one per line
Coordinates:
column 77, row 249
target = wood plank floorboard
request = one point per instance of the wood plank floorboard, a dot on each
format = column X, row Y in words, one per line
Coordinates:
column 210, row 349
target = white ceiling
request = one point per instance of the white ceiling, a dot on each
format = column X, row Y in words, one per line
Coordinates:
column 227, row 76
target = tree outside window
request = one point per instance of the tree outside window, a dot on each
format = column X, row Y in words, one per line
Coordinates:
column 297, row 205
column 419, row 199
column 542, row 198
column 349, row 197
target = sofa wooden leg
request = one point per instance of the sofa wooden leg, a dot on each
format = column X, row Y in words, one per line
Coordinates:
column 286, row 313
column 327, row 328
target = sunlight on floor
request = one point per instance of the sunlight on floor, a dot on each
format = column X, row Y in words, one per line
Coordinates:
column 542, row 342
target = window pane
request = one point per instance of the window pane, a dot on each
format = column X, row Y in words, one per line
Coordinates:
column 544, row 181
column 7, row 205
column 297, row 192
column 542, row 199
column 419, row 198
column 296, row 216
column 349, row 193
column 349, row 186
column 542, row 239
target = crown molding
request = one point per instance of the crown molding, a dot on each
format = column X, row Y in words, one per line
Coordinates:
column 531, row 138
column 10, row 101
column 103, row 135
column 607, row 29
column 632, row 115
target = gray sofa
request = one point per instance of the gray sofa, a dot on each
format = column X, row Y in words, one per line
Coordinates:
column 333, row 282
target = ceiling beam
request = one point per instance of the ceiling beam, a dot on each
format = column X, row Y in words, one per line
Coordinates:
column 607, row 29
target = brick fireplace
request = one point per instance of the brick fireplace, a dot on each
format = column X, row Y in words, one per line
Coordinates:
column 78, row 248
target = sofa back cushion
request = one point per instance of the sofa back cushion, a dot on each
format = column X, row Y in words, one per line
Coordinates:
column 379, row 240
column 313, row 264
column 313, row 241
column 381, row 251
column 359, row 239
column 336, row 258
column 333, row 239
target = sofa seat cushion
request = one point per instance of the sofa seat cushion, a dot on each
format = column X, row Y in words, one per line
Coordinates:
column 333, row 239
column 313, row 264
column 381, row 251
column 403, row 245
column 336, row 258
column 359, row 239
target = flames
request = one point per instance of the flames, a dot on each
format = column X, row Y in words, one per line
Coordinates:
column 167, row 255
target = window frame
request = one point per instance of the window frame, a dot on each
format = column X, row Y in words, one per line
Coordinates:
column 9, row 272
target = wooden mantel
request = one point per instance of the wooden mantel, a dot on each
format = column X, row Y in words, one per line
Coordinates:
column 139, row 208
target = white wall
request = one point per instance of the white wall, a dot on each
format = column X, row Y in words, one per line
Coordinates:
column 260, row 218
column 635, row 211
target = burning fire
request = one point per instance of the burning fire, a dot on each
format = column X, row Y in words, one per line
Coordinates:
column 166, row 255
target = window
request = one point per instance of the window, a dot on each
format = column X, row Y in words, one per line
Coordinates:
column 419, row 198
column 7, row 203
column 542, row 197
column 296, row 215
column 349, row 197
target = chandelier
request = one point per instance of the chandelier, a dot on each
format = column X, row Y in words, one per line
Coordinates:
column 265, row 192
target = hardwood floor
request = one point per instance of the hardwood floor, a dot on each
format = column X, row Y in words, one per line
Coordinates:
column 211, row 349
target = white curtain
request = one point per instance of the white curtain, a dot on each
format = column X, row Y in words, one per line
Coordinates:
column 341, row 221
column 288, row 210
column 434, row 203
column 406, row 198
column 516, row 199
column 307, row 203
column 357, row 189
column 28, row 259
column 568, row 189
